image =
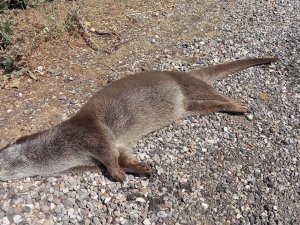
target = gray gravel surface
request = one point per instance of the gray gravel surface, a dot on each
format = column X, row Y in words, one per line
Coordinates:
column 217, row 169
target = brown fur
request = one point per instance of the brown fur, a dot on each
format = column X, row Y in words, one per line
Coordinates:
column 109, row 124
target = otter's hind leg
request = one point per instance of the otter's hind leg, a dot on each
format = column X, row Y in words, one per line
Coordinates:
column 202, row 98
column 203, row 107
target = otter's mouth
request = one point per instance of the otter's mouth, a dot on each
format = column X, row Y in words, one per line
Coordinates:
column 6, row 175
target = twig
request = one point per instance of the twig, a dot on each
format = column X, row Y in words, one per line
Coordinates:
column 106, row 33
column 77, row 24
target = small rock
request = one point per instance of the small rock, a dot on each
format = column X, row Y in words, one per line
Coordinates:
column 65, row 190
column 47, row 222
column 200, row 62
column 70, row 211
column 162, row 214
column 5, row 221
column 249, row 117
column 61, row 187
column 45, row 208
column 204, row 205
column 40, row 69
column 17, row 218
column 107, row 200
column 140, row 200
column 146, row 222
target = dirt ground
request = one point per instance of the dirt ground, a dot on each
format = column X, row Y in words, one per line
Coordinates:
column 68, row 70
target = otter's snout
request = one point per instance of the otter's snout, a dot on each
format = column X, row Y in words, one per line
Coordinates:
column 6, row 175
column 10, row 162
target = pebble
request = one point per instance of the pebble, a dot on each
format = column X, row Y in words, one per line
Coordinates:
column 140, row 200
column 204, row 205
column 162, row 214
column 249, row 117
column 146, row 222
column 17, row 218
column 65, row 190
column 5, row 221
column 45, row 208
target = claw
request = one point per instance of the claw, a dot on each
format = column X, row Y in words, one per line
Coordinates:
column 237, row 107
column 118, row 175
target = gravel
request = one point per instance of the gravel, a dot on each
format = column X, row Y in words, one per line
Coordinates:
column 216, row 169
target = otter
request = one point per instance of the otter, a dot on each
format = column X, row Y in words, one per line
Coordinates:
column 106, row 128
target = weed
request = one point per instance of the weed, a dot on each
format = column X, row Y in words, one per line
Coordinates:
column 9, row 64
column 11, row 68
column 6, row 29
column 55, row 26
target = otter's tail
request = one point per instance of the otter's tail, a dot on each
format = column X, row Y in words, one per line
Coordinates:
column 213, row 73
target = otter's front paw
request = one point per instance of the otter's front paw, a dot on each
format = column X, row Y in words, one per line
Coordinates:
column 118, row 175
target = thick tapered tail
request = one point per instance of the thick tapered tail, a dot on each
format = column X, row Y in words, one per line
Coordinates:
column 213, row 73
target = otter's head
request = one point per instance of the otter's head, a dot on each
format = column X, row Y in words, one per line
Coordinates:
column 13, row 163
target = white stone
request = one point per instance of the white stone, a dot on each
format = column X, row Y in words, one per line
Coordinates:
column 238, row 216
column 65, row 190
column 204, row 205
column 40, row 69
column 146, row 222
column 107, row 200
column 17, row 218
column 52, row 206
column 140, row 200
column 70, row 211
column 5, row 221
column 162, row 214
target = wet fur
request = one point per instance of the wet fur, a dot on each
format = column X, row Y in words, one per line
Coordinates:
column 110, row 123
